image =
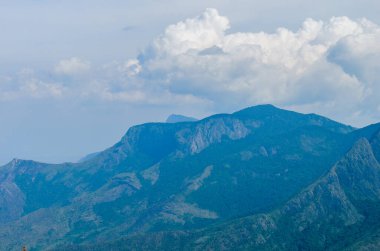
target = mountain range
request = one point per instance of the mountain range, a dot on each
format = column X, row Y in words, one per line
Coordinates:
column 261, row 178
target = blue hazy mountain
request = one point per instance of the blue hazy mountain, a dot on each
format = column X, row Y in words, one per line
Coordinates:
column 176, row 118
column 262, row 178
column 88, row 157
column 339, row 211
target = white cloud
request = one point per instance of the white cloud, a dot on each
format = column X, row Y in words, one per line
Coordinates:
column 333, row 63
column 72, row 66
column 329, row 67
column 26, row 84
column 131, row 67
column 198, row 33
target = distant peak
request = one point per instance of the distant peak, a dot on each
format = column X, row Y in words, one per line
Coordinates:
column 17, row 162
column 265, row 108
column 176, row 118
column 88, row 157
column 261, row 107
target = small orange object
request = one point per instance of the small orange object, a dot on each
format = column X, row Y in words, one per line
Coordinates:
column 24, row 248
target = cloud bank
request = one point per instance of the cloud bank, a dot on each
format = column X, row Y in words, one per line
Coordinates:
column 327, row 67
column 330, row 67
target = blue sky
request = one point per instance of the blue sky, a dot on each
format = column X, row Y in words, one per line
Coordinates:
column 75, row 75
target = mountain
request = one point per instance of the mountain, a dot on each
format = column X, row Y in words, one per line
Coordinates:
column 175, row 118
column 88, row 157
column 256, row 178
column 339, row 211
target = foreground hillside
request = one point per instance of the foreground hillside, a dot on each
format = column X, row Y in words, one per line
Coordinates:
column 261, row 178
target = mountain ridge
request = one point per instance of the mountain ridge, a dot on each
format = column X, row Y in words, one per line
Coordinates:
column 177, row 118
column 178, row 177
column 222, row 237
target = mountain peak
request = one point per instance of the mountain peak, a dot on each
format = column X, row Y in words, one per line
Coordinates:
column 259, row 109
column 176, row 118
column 16, row 162
column 267, row 107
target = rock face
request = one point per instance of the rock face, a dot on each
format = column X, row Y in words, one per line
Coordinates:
column 316, row 219
column 263, row 178
column 340, row 211
column 210, row 132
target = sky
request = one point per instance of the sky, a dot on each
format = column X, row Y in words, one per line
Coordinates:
column 75, row 75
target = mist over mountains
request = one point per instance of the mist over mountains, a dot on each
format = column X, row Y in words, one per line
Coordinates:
column 261, row 178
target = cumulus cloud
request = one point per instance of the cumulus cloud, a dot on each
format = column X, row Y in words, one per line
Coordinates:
column 333, row 63
column 199, row 33
column 329, row 67
column 131, row 67
column 72, row 66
